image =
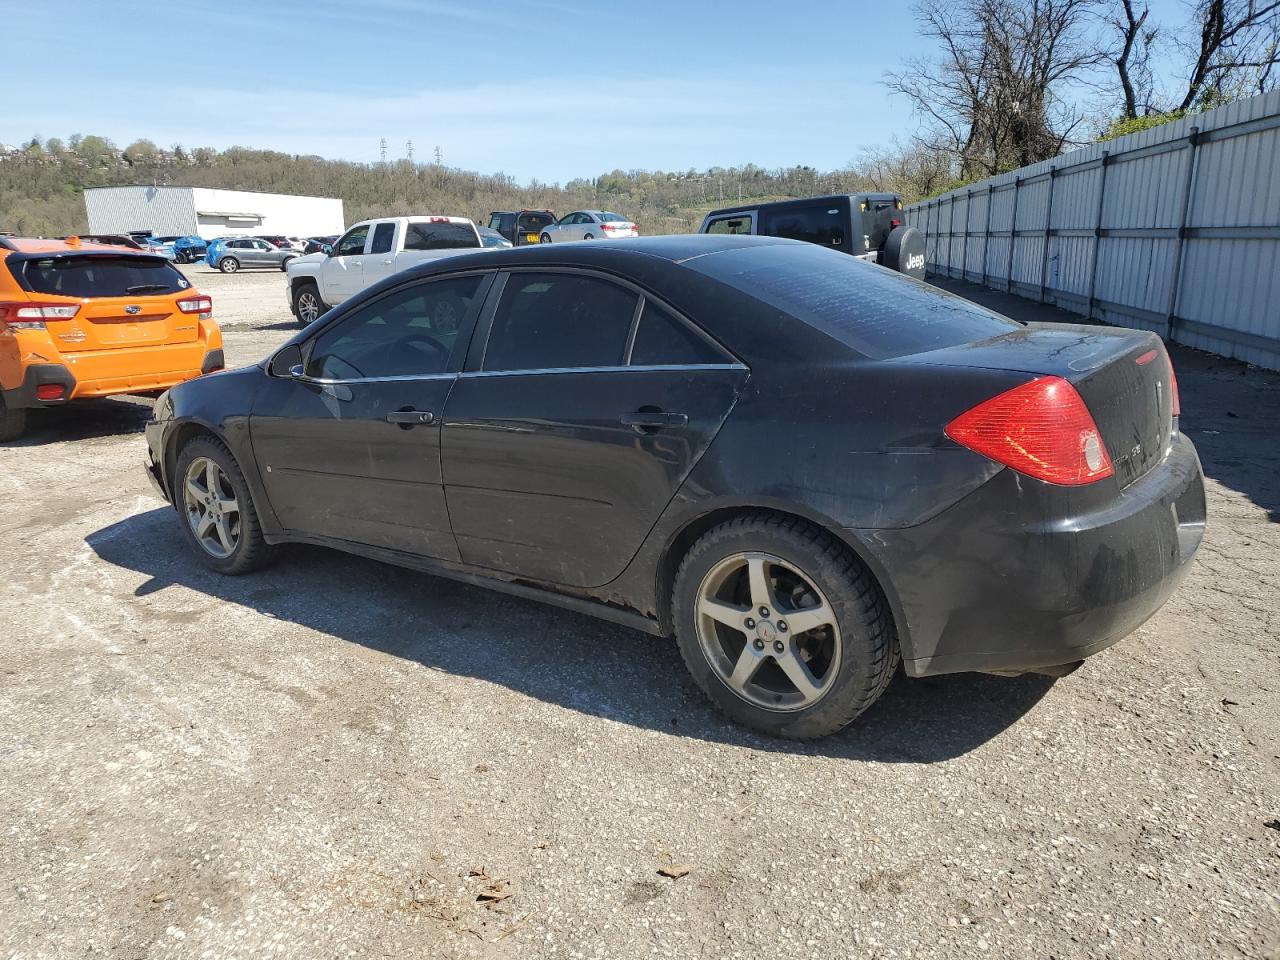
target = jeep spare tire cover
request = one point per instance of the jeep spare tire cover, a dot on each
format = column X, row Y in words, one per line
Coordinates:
column 904, row 252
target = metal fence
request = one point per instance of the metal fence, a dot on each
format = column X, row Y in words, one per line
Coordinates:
column 1175, row 229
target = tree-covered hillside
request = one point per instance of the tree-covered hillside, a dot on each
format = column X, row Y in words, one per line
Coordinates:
column 41, row 184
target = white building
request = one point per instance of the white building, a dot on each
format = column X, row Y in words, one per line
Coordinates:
column 209, row 213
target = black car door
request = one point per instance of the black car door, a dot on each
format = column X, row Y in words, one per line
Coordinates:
column 350, row 448
column 583, row 408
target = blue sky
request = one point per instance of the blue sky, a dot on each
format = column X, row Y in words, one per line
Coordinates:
column 547, row 89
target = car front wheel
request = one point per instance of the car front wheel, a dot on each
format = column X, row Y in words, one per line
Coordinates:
column 782, row 627
column 307, row 304
column 214, row 501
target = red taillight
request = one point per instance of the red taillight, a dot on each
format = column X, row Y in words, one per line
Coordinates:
column 21, row 315
column 1173, row 385
column 50, row 391
column 894, row 224
column 1042, row 429
column 199, row 304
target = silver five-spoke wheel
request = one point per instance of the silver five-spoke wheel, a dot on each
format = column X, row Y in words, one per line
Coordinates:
column 212, row 508
column 768, row 631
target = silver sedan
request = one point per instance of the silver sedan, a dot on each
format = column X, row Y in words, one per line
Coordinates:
column 589, row 225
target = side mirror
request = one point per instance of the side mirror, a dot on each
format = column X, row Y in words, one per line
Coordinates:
column 327, row 249
column 287, row 362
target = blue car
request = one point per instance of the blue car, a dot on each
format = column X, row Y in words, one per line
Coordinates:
column 186, row 249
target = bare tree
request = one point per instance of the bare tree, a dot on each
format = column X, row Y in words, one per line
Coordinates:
column 1132, row 56
column 997, row 97
column 1236, row 50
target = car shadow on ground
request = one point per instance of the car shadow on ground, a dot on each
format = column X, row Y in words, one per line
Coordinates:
column 84, row 420
column 1229, row 409
column 553, row 655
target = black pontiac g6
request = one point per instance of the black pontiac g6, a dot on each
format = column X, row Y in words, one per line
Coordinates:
column 803, row 466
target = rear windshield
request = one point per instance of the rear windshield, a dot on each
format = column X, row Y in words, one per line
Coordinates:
column 100, row 276
column 610, row 218
column 535, row 221
column 870, row 308
column 439, row 236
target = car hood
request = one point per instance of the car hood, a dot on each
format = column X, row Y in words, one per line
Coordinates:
column 308, row 258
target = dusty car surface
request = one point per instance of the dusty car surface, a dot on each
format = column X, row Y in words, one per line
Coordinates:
column 805, row 467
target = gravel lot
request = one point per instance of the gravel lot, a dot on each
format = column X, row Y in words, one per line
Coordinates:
column 339, row 758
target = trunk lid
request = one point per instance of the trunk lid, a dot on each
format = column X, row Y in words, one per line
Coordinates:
column 1123, row 376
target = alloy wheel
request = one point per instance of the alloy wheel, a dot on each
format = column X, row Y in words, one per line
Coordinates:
column 212, row 508
column 768, row 631
column 308, row 306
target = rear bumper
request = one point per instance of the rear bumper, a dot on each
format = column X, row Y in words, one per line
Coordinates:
column 983, row 587
column 96, row 375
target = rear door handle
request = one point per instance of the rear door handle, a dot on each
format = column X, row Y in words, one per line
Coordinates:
column 411, row 418
column 654, row 418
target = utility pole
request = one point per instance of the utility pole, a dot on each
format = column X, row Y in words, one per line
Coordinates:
column 439, row 155
column 382, row 149
column 408, row 149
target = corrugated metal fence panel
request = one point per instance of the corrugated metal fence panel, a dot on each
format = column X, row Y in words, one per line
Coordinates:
column 1185, row 240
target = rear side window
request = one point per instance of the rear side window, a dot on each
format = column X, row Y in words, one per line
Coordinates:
column 502, row 221
column 823, row 225
column 98, row 276
column 733, row 225
column 662, row 340
column 440, row 236
column 383, row 235
column 875, row 311
column 549, row 321
column 535, row 221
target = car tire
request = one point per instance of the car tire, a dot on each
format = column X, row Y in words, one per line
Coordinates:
column 545, row 238
column 284, row 264
column 307, row 304
column 13, row 421
column 844, row 663
column 239, row 546
column 587, row 236
column 228, row 264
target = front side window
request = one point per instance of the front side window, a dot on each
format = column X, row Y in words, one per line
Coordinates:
column 730, row 225
column 352, row 244
column 383, row 235
column 553, row 321
column 410, row 333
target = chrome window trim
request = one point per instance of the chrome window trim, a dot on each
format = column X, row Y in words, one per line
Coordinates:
column 326, row 382
column 654, row 368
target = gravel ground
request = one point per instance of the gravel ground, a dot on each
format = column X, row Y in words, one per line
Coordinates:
column 339, row 758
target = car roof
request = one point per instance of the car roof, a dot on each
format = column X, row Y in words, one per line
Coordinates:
column 802, row 201
column 45, row 245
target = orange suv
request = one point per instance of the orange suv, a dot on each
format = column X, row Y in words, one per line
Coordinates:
column 89, row 320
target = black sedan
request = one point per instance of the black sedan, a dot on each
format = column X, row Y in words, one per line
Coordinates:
column 804, row 467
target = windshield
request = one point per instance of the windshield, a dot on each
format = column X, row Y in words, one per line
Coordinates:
column 870, row 308
column 99, row 276
column 610, row 218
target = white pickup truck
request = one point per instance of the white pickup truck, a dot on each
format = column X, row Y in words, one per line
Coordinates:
column 371, row 251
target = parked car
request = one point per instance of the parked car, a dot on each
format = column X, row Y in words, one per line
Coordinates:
column 187, row 249
column 84, row 320
column 244, row 252
column 521, row 226
column 317, row 244
column 371, row 251
column 589, row 225
column 492, row 238
column 866, row 225
column 156, row 245
column 802, row 465
column 109, row 239
column 283, row 242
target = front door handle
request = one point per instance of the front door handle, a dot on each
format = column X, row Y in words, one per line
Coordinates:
column 654, row 419
column 411, row 418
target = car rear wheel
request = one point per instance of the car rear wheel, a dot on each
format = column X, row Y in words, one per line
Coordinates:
column 588, row 237
column 13, row 422
column 782, row 627
column 228, row 264
column 284, row 264
column 217, row 509
column 307, row 304
column 545, row 238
